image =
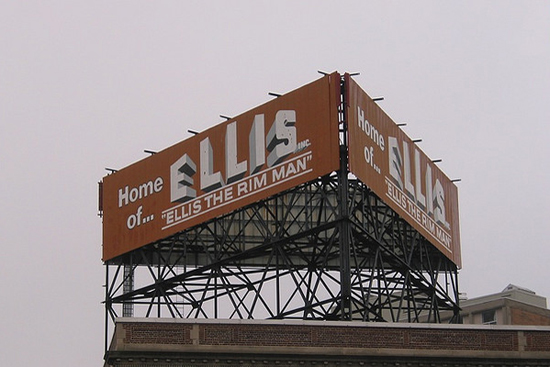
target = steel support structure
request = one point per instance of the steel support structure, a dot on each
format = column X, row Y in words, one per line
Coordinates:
column 282, row 258
column 329, row 249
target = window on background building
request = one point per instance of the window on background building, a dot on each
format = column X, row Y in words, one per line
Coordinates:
column 489, row 317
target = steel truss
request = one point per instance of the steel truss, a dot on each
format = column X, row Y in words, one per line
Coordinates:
column 282, row 258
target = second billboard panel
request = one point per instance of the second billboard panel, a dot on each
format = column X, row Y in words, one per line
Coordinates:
column 383, row 157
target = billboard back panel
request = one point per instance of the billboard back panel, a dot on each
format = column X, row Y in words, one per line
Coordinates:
column 288, row 141
column 383, row 157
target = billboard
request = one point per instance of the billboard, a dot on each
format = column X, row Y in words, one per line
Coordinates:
column 383, row 157
column 288, row 141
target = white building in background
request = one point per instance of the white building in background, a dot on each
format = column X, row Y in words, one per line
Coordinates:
column 513, row 306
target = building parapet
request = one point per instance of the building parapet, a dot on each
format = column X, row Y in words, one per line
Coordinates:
column 197, row 342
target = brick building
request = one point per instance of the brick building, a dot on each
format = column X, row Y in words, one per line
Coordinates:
column 207, row 343
column 512, row 306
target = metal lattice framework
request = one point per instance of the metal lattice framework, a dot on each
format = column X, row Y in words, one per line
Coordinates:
column 284, row 258
column 326, row 250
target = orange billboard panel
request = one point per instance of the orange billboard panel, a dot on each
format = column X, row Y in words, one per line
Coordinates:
column 383, row 157
column 288, row 141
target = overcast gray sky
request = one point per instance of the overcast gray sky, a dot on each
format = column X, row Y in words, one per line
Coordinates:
column 88, row 85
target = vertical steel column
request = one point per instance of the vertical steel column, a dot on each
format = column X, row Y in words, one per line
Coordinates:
column 344, row 226
column 128, row 286
column 107, row 306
